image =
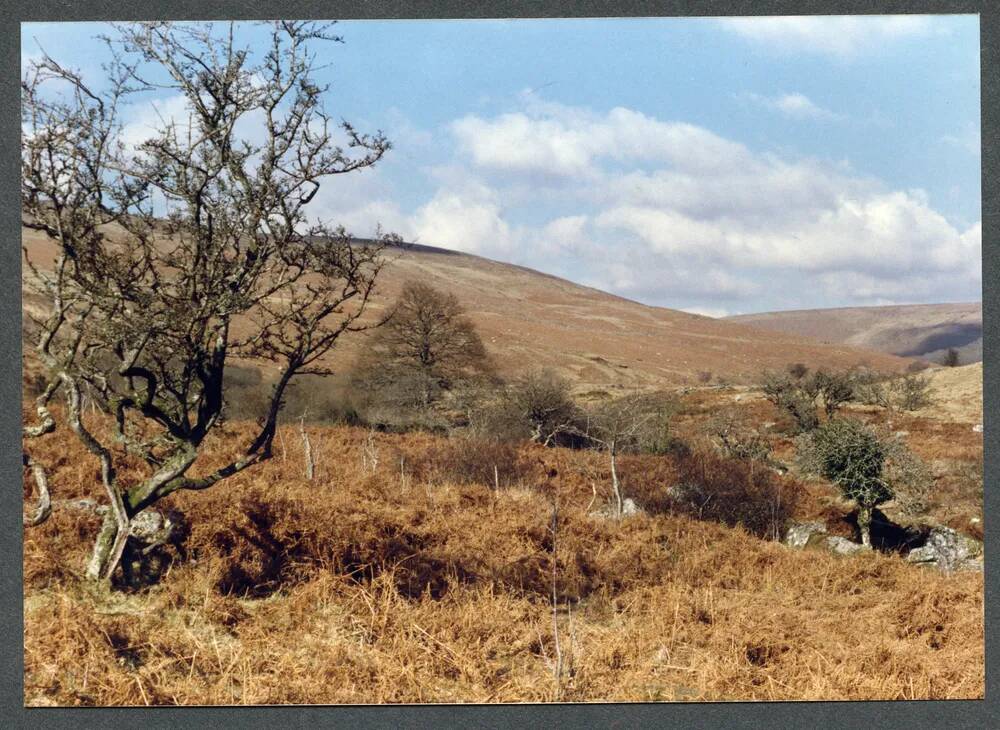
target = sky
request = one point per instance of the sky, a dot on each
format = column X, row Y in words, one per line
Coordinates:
column 716, row 165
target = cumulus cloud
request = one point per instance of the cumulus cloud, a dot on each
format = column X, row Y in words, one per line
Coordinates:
column 470, row 220
column 842, row 35
column 670, row 213
column 795, row 106
column 550, row 140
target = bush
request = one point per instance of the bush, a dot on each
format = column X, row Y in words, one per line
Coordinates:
column 538, row 404
column 851, row 455
column 834, row 388
column 950, row 358
column 910, row 478
column 709, row 487
column 793, row 397
column 736, row 439
column 248, row 394
column 912, row 391
column 474, row 461
column 321, row 402
column 734, row 492
column 871, row 387
column 797, row 370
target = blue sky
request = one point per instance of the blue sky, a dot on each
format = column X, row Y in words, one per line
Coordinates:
column 714, row 165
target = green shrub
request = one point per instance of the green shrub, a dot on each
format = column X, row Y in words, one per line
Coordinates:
column 851, row 455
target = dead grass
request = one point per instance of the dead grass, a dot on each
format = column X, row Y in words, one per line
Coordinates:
column 374, row 584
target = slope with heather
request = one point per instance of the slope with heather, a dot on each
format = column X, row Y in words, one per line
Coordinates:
column 528, row 319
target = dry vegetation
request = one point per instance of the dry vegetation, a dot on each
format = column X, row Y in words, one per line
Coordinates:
column 406, row 578
column 551, row 517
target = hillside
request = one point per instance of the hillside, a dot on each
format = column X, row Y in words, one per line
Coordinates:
column 528, row 319
column 957, row 394
column 917, row 330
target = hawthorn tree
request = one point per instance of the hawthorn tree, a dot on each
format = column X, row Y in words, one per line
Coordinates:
column 189, row 249
column 853, row 457
column 426, row 348
column 541, row 400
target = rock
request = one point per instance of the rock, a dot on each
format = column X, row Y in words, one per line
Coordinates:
column 842, row 546
column 802, row 535
column 798, row 533
column 948, row 550
column 629, row 509
column 978, row 428
column 152, row 527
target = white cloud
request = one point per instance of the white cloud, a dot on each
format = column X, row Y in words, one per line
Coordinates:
column 147, row 119
column 842, row 35
column 671, row 213
column 470, row 220
column 796, row 106
column 714, row 312
column 550, row 140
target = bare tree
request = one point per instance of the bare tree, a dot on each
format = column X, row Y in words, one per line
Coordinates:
column 189, row 249
column 426, row 348
column 541, row 400
column 622, row 425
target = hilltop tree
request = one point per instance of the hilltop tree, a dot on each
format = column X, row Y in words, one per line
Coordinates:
column 176, row 255
column 426, row 347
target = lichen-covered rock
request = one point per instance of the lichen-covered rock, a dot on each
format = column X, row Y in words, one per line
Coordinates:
column 798, row 533
column 842, row 546
column 629, row 509
column 152, row 527
column 948, row 550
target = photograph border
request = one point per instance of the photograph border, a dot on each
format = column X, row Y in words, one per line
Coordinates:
column 841, row 714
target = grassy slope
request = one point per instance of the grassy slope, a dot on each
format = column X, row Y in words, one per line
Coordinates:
column 528, row 319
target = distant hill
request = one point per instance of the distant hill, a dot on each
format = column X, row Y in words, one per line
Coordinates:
column 600, row 341
column 913, row 330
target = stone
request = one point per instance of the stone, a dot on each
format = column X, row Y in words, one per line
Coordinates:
column 152, row 527
column 978, row 428
column 842, row 546
column 629, row 509
column 948, row 550
column 798, row 533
